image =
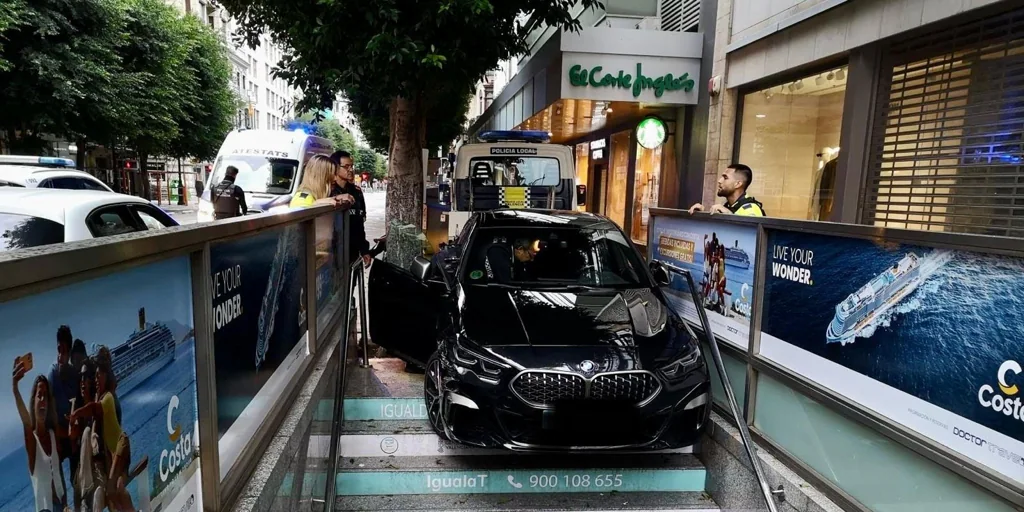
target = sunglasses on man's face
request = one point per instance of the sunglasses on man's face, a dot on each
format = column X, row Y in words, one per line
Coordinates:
column 347, row 167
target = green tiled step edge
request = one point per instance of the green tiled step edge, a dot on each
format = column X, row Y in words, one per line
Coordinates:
column 384, row 483
column 374, row 409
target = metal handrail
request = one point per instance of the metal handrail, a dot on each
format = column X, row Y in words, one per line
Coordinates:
column 748, row 444
column 338, row 418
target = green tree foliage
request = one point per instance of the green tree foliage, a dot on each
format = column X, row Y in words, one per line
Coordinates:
column 445, row 118
column 11, row 12
column 115, row 72
column 58, row 63
column 380, row 169
column 365, row 160
column 409, row 54
column 331, row 130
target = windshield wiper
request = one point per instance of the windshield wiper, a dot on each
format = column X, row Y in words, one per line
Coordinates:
column 503, row 286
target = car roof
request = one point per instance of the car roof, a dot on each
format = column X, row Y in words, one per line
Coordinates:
column 542, row 218
column 22, row 172
column 52, row 204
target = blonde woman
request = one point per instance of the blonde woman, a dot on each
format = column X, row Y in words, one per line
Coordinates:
column 315, row 189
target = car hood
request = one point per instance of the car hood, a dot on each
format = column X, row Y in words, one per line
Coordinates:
column 615, row 329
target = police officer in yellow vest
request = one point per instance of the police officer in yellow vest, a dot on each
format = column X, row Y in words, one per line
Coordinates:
column 732, row 185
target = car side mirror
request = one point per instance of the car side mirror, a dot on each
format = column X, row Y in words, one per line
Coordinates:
column 420, row 268
column 581, row 195
column 660, row 274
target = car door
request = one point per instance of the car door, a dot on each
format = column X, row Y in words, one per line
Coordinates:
column 112, row 220
column 403, row 312
column 152, row 217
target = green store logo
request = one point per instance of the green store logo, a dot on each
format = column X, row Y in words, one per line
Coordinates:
column 580, row 77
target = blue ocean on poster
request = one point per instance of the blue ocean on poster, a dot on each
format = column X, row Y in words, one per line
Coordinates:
column 940, row 343
column 144, row 415
column 740, row 242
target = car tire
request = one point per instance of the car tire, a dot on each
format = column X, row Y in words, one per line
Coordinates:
column 433, row 394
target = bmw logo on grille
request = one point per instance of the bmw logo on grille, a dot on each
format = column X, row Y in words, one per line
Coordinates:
column 587, row 366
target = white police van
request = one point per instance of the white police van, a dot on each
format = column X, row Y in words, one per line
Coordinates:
column 269, row 163
column 507, row 169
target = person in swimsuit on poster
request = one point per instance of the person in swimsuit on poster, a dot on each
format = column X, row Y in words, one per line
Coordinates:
column 40, row 429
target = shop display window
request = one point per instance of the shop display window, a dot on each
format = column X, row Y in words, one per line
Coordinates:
column 789, row 135
column 618, row 172
column 645, row 189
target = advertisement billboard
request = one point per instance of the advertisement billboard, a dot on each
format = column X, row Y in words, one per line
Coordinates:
column 259, row 313
column 104, row 382
column 720, row 257
column 929, row 338
column 329, row 267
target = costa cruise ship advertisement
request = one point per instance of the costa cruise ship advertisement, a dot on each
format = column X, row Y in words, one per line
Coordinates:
column 931, row 338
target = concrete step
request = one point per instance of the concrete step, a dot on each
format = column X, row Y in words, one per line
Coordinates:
column 519, row 474
column 591, row 502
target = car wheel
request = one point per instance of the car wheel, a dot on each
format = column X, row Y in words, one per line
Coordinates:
column 434, row 395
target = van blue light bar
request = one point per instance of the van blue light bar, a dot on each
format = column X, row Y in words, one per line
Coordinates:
column 514, row 135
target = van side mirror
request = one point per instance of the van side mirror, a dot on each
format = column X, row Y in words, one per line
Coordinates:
column 581, row 195
column 420, row 268
column 660, row 274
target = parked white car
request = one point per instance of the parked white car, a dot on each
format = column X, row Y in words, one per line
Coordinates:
column 25, row 176
column 31, row 217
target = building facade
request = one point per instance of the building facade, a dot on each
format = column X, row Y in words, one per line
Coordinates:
column 893, row 113
column 265, row 101
column 632, row 61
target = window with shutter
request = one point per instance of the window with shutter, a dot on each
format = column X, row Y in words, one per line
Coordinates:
column 948, row 141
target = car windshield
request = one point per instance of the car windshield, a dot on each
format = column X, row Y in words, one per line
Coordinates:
column 258, row 174
column 23, row 231
column 512, row 171
column 543, row 257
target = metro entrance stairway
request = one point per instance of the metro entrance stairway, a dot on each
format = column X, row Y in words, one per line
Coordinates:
column 390, row 459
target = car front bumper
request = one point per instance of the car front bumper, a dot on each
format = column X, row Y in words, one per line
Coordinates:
column 485, row 412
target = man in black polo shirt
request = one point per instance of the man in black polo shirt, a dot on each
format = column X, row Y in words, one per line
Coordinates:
column 732, row 185
column 344, row 184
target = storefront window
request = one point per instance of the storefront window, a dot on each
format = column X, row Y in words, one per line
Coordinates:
column 645, row 190
column 615, row 199
column 582, row 168
column 789, row 136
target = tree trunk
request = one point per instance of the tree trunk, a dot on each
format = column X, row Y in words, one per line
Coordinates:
column 80, row 154
column 142, row 182
column 405, row 163
column 181, row 184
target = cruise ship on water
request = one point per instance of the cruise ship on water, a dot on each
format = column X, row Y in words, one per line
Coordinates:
column 145, row 352
column 881, row 293
column 736, row 257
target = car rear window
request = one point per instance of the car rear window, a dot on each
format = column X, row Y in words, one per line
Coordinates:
column 4, row 183
column 24, row 231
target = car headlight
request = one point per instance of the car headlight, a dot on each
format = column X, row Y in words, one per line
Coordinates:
column 681, row 366
column 485, row 367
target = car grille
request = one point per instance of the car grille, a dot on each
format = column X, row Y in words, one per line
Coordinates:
column 546, row 388
column 631, row 387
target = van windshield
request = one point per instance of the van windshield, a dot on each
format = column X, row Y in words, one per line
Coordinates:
column 514, row 171
column 258, row 174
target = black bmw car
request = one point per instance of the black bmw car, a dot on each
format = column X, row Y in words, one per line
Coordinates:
column 544, row 330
